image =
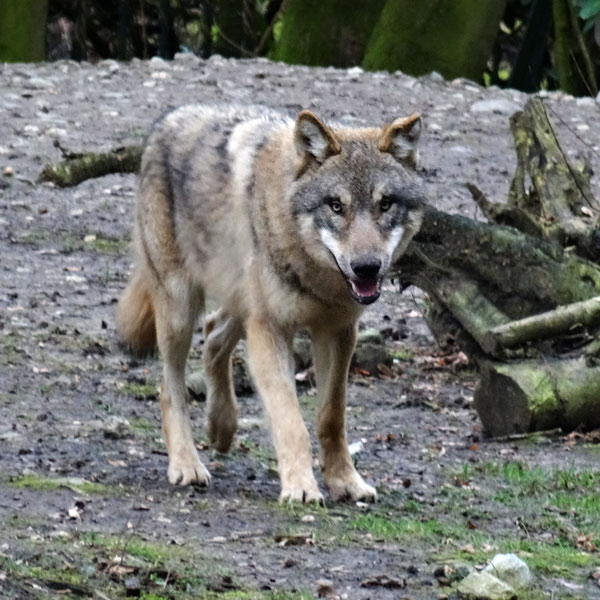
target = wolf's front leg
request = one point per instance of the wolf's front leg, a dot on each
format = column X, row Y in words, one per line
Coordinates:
column 269, row 353
column 332, row 353
column 176, row 314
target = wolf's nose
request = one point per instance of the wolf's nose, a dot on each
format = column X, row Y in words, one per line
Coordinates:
column 367, row 268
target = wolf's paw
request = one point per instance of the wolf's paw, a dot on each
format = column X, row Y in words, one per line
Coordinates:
column 221, row 428
column 185, row 471
column 350, row 485
column 303, row 491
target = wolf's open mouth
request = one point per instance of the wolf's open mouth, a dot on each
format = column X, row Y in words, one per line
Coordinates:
column 365, row 291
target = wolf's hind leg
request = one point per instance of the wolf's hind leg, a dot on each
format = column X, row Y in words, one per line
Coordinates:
column 177, row 307
column 221, row 333
column 332, row 353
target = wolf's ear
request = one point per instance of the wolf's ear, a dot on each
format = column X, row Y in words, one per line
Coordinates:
column 313, row 138
column 400, row 139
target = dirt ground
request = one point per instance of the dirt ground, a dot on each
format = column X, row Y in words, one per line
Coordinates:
column 85, row 507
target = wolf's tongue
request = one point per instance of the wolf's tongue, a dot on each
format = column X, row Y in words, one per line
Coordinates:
column 365, row 287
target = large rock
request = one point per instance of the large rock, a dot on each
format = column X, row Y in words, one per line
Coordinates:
column 484, row 586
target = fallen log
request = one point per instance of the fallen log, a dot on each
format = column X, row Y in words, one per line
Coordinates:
column 76, row 168
column 517, row 397
column 520, row 274
column 543, row 325
column 520, row 294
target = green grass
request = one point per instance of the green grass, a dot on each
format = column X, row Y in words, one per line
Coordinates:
column 23, row 570
column 34, row 236
column 100, row 245
column 104, row 245
column 190, row 572
column 565, row 489
column 255, row 595
column 144, row 425
column 10, row 351
column 559, row 558
column 153, row 553
column 32, row 481
column 539, row 514
column 404, row 529
column 139, row 390
column 405, row 354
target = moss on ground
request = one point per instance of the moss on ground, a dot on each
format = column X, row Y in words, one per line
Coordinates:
column 33, row 481
column 95, row 243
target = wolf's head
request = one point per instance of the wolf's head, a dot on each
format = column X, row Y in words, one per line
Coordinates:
column 356, row 198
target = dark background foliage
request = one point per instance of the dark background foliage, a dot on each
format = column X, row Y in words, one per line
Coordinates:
column 526, row 44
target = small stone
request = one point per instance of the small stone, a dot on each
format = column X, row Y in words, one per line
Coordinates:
column 484, row 586
column 434, row 76
column 499, row 106
column 510, row 569
column 57, row 132
column 36, row 83
column 116, row 427
column 187, row 56
column 156, row 62
column 31, row 130
column 356, row 448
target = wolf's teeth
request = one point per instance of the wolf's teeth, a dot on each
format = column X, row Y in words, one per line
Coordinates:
column 364, row 288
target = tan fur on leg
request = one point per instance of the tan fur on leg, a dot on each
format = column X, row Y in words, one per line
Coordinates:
column 332, row 353
column 177, row 307
column 269, row 356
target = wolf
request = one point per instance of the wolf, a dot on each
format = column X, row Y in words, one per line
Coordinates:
column 289, row 224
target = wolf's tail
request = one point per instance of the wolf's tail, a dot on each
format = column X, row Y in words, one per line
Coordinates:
column 135, row 316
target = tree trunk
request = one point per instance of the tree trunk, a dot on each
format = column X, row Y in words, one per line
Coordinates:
column 23, row 30
column 334, row 32
column 453, row 38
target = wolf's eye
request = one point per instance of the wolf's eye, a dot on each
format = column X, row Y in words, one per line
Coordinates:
column 334, row 204
column 385, row 204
